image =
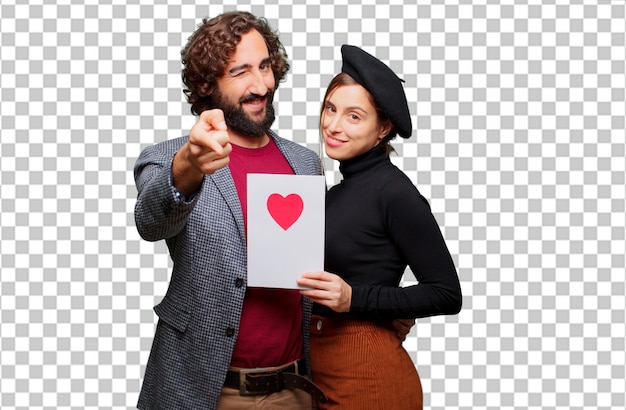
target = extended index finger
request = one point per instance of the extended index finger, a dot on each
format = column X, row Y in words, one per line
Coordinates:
column 211, row 131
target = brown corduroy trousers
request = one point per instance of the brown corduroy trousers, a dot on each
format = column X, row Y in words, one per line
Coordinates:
column 362, row 365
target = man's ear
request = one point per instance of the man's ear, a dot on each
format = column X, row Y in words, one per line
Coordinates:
column 205, row 90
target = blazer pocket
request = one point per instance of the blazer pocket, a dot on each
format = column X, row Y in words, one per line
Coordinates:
column 172, row 315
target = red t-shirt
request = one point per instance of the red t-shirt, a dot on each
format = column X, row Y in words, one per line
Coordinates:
column 270, row 331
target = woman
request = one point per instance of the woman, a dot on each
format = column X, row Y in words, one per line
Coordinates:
column 377, row 224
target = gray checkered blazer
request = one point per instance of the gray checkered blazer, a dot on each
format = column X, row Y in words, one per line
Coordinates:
column 199, row 315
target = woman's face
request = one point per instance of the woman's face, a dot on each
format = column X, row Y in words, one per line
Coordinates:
column 349, row 123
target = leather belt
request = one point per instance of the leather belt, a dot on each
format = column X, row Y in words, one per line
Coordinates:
column 266, row 380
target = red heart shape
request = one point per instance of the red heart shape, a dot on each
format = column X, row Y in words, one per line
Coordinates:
column 285, row 210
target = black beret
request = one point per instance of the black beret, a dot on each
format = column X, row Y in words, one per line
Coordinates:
column 382, row 83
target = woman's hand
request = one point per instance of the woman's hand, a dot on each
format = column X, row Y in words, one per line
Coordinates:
column 402, row 327
column 327, row 289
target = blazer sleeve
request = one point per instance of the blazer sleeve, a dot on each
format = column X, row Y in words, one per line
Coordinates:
column 161, row 211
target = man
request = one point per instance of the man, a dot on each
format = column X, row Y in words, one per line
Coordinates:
column 213, row 333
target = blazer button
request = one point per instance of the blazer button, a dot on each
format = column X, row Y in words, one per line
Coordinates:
column 238, row 282
column 230, row 332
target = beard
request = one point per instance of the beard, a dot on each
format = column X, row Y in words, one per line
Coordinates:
column 237, row 120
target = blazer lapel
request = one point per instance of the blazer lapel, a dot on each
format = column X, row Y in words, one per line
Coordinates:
column 288, row 154
column 223, row 180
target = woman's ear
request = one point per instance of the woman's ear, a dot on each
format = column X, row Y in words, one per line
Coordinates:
column 385, row 129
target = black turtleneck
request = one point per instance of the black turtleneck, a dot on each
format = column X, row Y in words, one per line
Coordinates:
column 377, row 223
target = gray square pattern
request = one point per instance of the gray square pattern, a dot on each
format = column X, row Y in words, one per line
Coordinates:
column 519, row 114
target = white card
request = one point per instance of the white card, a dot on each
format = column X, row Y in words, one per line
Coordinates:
column 285, row 228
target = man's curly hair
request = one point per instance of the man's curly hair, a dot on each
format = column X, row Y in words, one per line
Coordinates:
column 209, row 48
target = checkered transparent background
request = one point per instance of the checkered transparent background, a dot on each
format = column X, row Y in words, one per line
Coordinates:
column 519, row 112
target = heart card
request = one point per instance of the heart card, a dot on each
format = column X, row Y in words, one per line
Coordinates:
column 285, row 228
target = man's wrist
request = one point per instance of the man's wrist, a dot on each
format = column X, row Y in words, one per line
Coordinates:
column 185, row 177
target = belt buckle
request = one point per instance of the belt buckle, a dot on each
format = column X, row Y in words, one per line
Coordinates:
column 243, row 374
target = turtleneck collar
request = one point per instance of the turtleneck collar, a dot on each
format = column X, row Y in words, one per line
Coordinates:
column 367, row 161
